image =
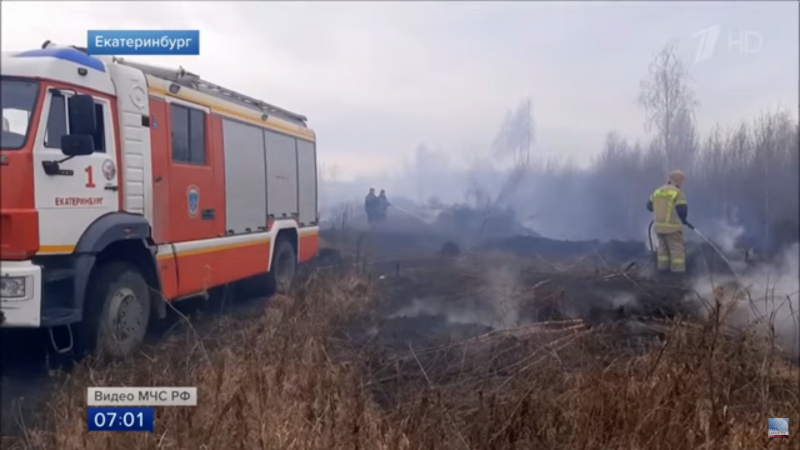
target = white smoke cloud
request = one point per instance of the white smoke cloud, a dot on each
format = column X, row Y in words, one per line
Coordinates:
column 504, row 291
column 727, row 236
column 496, row 304
column 768, row 300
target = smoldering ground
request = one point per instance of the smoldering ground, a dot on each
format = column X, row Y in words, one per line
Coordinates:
column 478, row 321
column 490, row 288
column 476, row 330
column 763, row 300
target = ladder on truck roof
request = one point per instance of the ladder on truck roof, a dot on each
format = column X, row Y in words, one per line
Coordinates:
column 193, row 81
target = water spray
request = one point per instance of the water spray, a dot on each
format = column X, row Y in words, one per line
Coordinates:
column 716, row 249
column 410, row 213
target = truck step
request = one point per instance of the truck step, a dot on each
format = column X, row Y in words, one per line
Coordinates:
column 60, row 316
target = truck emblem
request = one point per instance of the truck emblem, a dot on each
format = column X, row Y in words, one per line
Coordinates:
column 137, row 96
column 109, row 171
column 193, row 200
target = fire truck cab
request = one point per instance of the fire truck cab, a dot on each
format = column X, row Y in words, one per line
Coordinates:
column 125, row 186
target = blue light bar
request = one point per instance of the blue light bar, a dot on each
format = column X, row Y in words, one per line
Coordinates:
column 67, row 54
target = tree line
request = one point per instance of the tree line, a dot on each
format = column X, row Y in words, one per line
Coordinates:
column 745, row 176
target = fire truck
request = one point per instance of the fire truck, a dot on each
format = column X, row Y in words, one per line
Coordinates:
column 125, row 186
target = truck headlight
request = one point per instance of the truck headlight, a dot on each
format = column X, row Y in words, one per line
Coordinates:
column 12, row 287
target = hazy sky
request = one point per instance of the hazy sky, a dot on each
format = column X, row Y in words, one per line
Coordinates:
column 376, row 79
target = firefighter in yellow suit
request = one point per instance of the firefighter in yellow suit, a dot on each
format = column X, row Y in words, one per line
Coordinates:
column 670, row 211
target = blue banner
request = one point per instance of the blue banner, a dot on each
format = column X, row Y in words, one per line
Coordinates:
column 120, row 419
column 143, row 42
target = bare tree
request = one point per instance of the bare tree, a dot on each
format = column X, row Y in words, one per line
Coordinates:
column 669, row 105
column 683, row 141
column 516, row 135
column 477, row 195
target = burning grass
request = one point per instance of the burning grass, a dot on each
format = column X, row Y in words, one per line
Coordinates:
column 289, row 378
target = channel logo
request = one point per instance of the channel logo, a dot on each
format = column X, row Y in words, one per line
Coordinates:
column 778, row 428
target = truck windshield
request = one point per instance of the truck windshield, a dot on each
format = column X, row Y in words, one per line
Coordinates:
column 18, row 98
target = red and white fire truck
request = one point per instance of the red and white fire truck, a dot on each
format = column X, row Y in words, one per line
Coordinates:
column 125, row 186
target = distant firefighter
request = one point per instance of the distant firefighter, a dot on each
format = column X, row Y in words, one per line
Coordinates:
column 382, row 205
column 370, row 206
column 670, row 212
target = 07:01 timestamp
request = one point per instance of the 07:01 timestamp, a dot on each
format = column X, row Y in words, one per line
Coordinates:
column 120, row 419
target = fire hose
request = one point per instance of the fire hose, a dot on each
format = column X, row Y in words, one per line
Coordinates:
column 704, row 238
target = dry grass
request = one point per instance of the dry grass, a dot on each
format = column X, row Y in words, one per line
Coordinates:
column 283, row 381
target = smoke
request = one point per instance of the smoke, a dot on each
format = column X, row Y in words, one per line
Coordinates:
column 466, row 313
column 504, row 294
column 622, row 299
column 768, row 300
column 727, row 236
column 496, row 304
column 605, row 198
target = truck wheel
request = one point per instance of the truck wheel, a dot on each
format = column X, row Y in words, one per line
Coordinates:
column 117, row 311
column 283, row 269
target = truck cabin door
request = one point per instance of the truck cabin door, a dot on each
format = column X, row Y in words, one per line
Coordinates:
column 72, row 192
column 193, row 200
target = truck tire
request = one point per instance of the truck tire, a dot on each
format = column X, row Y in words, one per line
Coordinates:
column 116, row 312
column 283, row 268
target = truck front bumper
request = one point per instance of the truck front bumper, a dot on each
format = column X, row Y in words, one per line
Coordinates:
column 21, row 294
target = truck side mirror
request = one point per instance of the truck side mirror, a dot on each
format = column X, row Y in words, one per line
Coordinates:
column 77, row 144
column 82, row 116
